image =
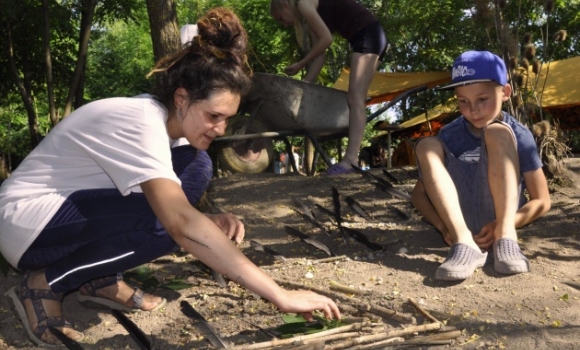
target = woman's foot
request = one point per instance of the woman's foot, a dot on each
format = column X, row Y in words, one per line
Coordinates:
column 113, row 292
column 39, row 308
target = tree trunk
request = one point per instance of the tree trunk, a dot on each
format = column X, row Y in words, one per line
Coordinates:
column 88, row 12
column 48, row 58
column 164, row 30
column 3, row 168
column 80, row 94
column 24, row 93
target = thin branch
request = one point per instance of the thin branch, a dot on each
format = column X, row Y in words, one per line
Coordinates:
column 302, row 339
column 387, row 335
column 423, row 311
column 359, row 304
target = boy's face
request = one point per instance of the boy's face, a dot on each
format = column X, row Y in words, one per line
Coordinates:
column 480, row 103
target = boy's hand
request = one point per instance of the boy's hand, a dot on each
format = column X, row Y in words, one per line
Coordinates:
column 445, row 234
column 485, row 238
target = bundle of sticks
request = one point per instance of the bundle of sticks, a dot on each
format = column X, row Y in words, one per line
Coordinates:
column 366, row 332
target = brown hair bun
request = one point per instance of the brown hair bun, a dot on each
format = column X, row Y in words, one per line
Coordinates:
column 221, row 33
column 216, row 60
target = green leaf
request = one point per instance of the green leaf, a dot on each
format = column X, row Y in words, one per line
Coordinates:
column 296, row 324
column 150, row 283
column 564, row 297
column 291, row 329
column 140, row 273
column 292, row 318
column 176, row 284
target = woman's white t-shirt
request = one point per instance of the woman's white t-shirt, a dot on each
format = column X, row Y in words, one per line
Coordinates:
column 111, row 143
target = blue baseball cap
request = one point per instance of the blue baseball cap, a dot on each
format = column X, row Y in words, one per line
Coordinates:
column 477, row 67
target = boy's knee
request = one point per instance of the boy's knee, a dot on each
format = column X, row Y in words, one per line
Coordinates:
column 428, row 144
column 498, row 133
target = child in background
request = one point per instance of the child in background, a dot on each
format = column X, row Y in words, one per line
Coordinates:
column 368, row 41
column 473, row 174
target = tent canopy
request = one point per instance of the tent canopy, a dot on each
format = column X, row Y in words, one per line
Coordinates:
column 561, row 83
column 434, row 113
column 560, row 90
column 558, row 84
column 386, row 86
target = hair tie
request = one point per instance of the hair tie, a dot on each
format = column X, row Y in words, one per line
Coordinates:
column 219, row 54
column 217, row 20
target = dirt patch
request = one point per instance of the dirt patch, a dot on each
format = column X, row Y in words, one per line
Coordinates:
column 534, row 310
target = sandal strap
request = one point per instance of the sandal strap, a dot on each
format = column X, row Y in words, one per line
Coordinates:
column 92, row 286
column 52, row 321
column 26, row 292
column 36, row 296
column 138, row 298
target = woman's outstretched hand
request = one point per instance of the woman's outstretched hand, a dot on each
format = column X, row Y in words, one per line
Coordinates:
column 305, row 302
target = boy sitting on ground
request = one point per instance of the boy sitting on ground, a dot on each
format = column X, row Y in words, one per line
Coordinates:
column 473, row 174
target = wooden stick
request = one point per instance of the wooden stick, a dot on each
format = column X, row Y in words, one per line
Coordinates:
column 423, row 311
column 423, row 343
column 435, row 337
column 302, row 339
column 382, row 336
column 351, row 320
column 318, row 345
column 334, row 337
column 378, row 345
column 359, row 304
column 344, row 289
column 381, row 311
column 331, row 259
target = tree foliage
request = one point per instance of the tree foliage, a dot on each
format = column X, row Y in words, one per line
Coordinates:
column 423, row 36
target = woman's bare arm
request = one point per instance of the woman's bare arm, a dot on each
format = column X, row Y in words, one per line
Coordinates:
column 201, row 237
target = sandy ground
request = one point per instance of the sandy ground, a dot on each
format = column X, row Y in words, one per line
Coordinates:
column 534, row 310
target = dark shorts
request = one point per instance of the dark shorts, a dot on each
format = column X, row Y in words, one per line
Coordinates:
column 370, row 39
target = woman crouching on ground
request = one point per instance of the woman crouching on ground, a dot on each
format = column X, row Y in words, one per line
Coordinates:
column 113, row 186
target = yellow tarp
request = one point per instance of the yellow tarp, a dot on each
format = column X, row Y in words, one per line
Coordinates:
column 386, row 86
column 433, row 113
column 438, row 111
column 562, row 87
